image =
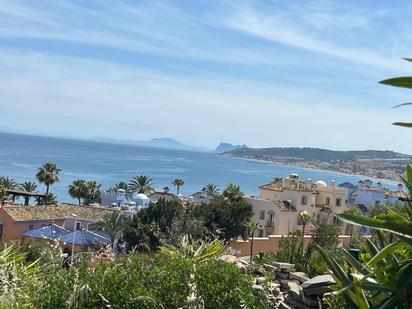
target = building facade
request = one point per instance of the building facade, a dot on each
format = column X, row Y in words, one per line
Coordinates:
column 280, row 202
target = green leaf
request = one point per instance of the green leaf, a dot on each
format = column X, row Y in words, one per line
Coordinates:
column 384, row 222
column 355, row 263
column 403, row 104
column 407, row 59
column 403, row 124
column 389, row 249
column 404, row 82
column 390, row 302
column 337, row 270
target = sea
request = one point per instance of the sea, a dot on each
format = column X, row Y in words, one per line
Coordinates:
column 109, row 163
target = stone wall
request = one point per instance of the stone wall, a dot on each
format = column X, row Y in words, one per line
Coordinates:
column 270, row 244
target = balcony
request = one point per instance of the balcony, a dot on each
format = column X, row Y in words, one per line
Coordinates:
column 269, row 223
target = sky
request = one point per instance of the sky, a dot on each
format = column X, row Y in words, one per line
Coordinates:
column 263, row 73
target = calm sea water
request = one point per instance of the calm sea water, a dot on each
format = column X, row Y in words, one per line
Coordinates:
column 21, row 155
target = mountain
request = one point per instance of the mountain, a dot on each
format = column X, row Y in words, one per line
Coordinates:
column 225, row 147
column 162, row 142
column 315, row 154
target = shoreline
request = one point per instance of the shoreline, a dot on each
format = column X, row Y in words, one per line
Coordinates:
column 252, row 160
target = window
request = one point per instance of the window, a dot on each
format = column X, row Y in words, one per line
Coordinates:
column 78, row 226
column 337, row 221
column 262, row 215
column 1, row 231
column 338, row 202
column 304, row 200
column 327, row 201
column 271, row 219
column 260, row 233
column 30, row 227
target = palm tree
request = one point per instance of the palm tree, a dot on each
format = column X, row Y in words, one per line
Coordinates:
column 178, row 183
column 211, row 189
column 113, row 224
column 121, row 185
column 28, row 187
column 93, row 192
column 252, row 226
column 6, row 183
column 232, row 193
column 141, row 184
column 48, row 174
column 78, row 189
column 304, row 218
column 50, row 199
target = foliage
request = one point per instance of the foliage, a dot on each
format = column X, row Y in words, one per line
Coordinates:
column 403, row 82
column 384, row 278
column 29, row 187
column 50, row 199
column 6, row 183
column 48, row 174
column 141, row 184
column 178, row 183
column 124, row 186
column 326, row 236
column 225, row 217
column 211, row 189
column 233, row 193
column 93, row 192
column 113, row 224
column 78, row 189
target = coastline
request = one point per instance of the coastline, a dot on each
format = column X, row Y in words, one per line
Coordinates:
column 252, row 160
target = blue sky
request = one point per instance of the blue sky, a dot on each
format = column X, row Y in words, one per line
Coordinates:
column 264, row 73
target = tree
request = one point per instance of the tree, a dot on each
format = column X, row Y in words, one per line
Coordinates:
column 304, row 218
column 326, row 236
column 225, row 218
column 178, row 183
column 48, row 174
column 252, row 226
column 78, row 190
column 232, row 193
column 28, row 187
column 6, row 183
column 141, row 184
column 124, row 186
column 211, row 189
column 93, row 193
column 50, row 199
column 113, row 224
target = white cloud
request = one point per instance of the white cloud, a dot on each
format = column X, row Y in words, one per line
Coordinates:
column 99, row 98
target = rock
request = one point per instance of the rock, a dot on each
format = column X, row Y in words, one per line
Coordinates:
column 273, row 286
column 228, row 258
column 282, row 275
column 285, row 283
column 282, row 265
column 300, row 276
column 246, row 263
column 294, row 290
column 258, row 288
column 260, row 280
column 282, row 305
column 269, row 267
column 317, row 290
column 241, row 267
column 261, row 270
column 318, row 281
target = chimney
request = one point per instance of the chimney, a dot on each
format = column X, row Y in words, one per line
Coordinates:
column 379, row 186
column 400, row 187
column 166, row 189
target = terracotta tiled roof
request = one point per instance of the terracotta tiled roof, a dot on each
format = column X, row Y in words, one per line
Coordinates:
column 63, row 211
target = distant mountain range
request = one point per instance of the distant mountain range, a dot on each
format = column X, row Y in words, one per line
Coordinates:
column 162, row 142
column 315, row 154
column 225, row 147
